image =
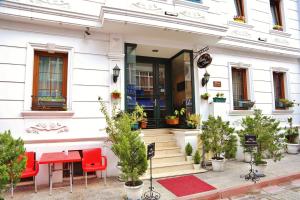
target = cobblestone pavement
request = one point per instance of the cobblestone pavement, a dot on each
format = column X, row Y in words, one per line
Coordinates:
column 229, row 178
column 288, row 191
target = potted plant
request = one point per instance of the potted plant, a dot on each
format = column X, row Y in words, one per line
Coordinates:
column 12, row 163
column 131, row 152
column 285, row 103
column 268, row 137
column 139, row 117
column 219, row 97
column 205, row 96
column 240, row 19
column 197, row 160
column 277, row 27
column 188, row 152
column 48, row 102
column 174, row 119
column 116, row 95
column 291, row 134
column 217, row 136
column 193, row 120
column 246, row 104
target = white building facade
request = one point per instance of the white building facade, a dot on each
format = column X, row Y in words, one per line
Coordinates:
column 69, row 48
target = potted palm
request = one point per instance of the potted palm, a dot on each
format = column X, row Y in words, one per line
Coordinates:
column 188, row 152
column 174, row 119
column 131, row 152
column 268, row 137
column 291, row 134
column 197, row 160
column 216, row 136
column 193, row 121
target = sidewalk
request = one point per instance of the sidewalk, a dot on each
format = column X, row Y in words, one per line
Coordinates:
column 114, row 189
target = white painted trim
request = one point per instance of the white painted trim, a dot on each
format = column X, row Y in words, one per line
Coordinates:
column 286, row 88
column 249, row 85
column 240, row 25
column 191, row 4
column 280, row 33
column 31, row 47
column 47, row 114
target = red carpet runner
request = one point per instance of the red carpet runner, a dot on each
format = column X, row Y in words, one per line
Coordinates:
column 185, row 185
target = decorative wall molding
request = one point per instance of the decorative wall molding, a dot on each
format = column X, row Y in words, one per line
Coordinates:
column 192, row 14
column 240, row 25
column 147, row 6
column 242, row 33
column 59, row 3
column 281, row 41
column 44, row 127
column 279, row 33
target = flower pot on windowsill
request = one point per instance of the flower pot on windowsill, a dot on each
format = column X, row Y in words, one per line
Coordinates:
column 277, row 28
column 173, row 121
column 219, row 99
column 246, row 104
column 239, row 19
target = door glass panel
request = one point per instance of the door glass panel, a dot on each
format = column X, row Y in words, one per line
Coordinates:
column 182, row 82
column 145, row 88
column 130, row 77
column 162, row 91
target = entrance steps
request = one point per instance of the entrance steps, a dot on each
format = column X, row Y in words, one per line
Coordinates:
column 168, row 159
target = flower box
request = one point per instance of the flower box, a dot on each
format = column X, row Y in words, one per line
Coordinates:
column 219, row 99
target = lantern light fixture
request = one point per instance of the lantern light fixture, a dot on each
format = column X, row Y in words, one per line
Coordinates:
column 116, row 73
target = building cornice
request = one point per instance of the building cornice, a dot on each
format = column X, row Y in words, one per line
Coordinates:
column 185, row 25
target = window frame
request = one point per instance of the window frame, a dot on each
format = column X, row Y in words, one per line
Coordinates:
column 245, row 82
column 241, row 7
column 278, row 8
column 249, row 89
column 35, row 81
column 285, row 87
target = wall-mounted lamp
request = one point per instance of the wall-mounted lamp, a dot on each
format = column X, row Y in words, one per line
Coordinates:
column 116, row 73
column 205, row 79
column 87, row 31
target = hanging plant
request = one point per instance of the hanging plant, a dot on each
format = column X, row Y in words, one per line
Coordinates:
column 116, row 94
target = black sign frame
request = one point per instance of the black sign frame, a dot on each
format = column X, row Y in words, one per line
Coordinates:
column 150, row 151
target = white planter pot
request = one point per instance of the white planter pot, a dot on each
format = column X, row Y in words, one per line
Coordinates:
column 261, row 168
column 292, row 148
column 189, row 158
column 247, row 157
column 218, row 165
column 134, row 193
column 197, row 166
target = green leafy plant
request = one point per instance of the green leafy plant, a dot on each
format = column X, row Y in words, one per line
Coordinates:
column 138, row 114
column 291, row 133
column 217, row 137
column 278, row 27
column 268, row 136
column 188, row 149
column 230, row 147
column 52, row 99
column 193, row 120
column 131, row 151
column 177, row 113
column 197, row 157
column 12, row 163
column 220, row 95
column 205, row 96
column 286, row 103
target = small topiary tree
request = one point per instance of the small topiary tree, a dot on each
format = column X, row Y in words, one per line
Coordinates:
column 188, row 149
column 291, row 133
column 217, row 137
column 131, row 151
column 197, row 157
column 12, row 163
column 268, row 136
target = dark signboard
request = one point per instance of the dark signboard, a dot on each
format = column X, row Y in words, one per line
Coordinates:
column 150, row 151
column 204, row 60
column 250, row 140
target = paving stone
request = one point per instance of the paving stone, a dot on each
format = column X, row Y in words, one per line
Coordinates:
column 273, row 189
column 287, row 195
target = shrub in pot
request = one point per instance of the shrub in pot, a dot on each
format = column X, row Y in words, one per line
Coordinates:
column 291, row 134
column 197, row 160
column 218, row 138
column 188, row 152
column 12, row 163
column 193, row 121
column 131, row 151
column 174, row 119
column 268, row 136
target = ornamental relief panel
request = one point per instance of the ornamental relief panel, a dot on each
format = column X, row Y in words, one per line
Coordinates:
column 147, row 6
column 47, row 127
column 62, row 4
column 280, row 41
column 192, row 14
column 241, row 33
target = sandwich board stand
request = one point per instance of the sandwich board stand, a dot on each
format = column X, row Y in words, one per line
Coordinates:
column 151, row 194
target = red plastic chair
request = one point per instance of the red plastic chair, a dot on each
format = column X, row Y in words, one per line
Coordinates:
column 93, row 161
column 31, row 170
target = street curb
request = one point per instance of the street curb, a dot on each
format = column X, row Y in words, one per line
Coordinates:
column 241, row 189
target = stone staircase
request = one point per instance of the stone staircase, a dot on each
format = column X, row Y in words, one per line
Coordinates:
column 168, row 160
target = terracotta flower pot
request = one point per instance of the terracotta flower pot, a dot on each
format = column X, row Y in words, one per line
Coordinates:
column 172, row 121
column 116, row 95
column 143, row 124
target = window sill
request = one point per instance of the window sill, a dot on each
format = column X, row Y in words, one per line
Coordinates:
column 279, row 112
column 240, row 112
column 191, row 4
column 279, row 33
column 47, row 114
column 240, row 25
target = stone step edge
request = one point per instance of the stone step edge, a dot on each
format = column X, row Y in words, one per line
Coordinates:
column 166, row 148
column 164, row 141
column 170, row 164
column 173, row 174
column 241, row 189
column 161, row 156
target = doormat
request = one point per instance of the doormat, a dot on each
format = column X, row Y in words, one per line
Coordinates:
column 185, row 185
